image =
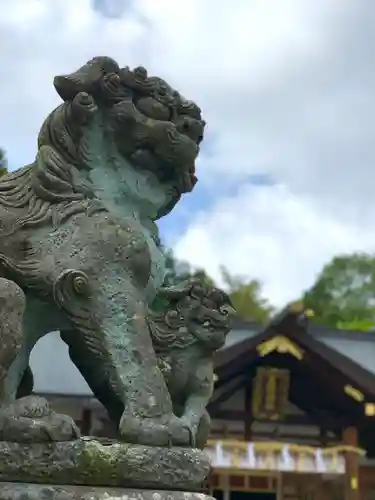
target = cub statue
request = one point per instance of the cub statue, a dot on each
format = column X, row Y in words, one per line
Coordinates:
column 188, row 326
column 189, row 322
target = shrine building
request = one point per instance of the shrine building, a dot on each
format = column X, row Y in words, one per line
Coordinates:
column 293, row 412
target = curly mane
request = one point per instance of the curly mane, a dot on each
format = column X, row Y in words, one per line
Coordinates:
column 52, row 189
column 47, row 190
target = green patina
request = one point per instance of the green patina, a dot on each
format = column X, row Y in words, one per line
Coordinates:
column 80, row 253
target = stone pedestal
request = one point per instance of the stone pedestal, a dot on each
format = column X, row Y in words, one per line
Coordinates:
column 27, row 491
column 100, row 469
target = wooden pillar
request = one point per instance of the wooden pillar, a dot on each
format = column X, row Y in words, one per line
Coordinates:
column 323, row 491
column 279, row 486
column 323, row 436
column 86, row 421
column 226, row 488
column 352, row 491
column 248, row 411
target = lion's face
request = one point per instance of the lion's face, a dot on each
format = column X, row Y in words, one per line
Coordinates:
column 153, row 127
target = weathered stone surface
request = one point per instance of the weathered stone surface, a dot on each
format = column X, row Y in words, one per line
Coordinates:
column 17, row 491
column 78, row 237
column 105, row 463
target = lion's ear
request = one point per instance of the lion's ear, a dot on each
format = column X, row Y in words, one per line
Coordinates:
column 85, row 78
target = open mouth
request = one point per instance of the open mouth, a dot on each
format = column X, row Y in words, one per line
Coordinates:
column 156, row 137
column 167, row 170
column 183, row 181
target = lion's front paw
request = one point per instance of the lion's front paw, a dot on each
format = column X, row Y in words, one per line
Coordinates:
column 31, row 420
column 164, row 431
column 182, row 432
column 146, row 431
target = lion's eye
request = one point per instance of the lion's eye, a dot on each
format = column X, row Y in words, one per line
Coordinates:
column 224, row 311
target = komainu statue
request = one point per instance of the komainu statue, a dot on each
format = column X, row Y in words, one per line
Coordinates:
column 79, row 253
column 189, row 323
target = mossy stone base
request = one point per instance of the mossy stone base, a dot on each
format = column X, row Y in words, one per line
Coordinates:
column 93, row 462
column 14, row 491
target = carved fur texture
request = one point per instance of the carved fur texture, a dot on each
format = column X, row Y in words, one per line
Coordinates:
column 77, row 235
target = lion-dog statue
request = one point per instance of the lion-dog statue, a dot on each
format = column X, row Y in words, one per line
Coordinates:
column 79, row 250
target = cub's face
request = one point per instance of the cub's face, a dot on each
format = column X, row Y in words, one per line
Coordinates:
column 209, row 315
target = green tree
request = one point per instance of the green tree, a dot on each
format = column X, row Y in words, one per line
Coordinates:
column 3, row 163
column 343, row 295
column 246, row 295
column 247, row 299
column 177, row 271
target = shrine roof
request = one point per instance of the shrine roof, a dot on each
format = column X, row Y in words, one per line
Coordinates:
column 353, row 355
column 327, row 381
column 359, row 346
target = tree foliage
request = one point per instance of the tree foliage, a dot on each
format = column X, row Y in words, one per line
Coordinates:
column 246, row 297
column 343, row 295
column 3, row 163
column 177, row 271
column 245, row 294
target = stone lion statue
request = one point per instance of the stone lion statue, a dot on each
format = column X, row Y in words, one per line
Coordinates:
column 79, row 246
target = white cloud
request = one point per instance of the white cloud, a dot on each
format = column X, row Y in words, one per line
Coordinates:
column 218, row 52
column 286, row 87
column 269, row 233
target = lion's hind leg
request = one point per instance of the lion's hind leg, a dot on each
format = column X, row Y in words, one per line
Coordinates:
column 12, row 308
column 28, row 419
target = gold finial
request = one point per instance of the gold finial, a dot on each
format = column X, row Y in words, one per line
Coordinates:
column 297, row 307
column 354, row 483
column 354, row 393
column 370, row 409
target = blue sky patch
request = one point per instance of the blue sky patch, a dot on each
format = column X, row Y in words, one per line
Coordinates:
column 111, row 8
column 200, row 200
column 261, row 180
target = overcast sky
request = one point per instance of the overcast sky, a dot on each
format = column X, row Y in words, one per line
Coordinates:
column 286, row 176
